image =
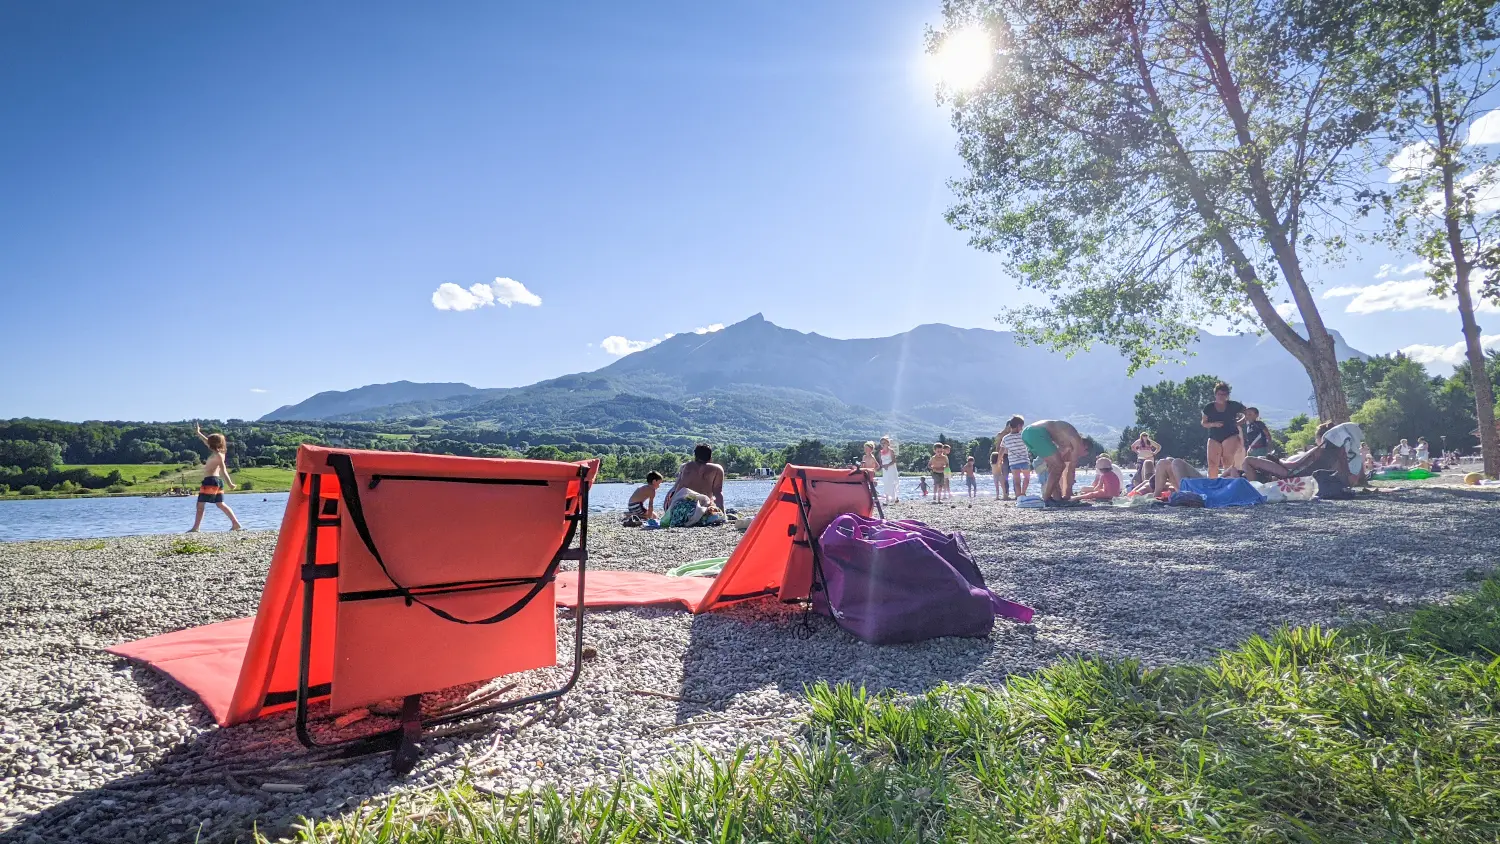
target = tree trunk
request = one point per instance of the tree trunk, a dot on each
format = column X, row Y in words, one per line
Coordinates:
column 1484, row 396
column 1328, row 383
column 1317, row 354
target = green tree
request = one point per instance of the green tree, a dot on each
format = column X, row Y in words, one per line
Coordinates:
column 146, row 451
column 1440, row 55
column 811, row 453
column 1173, row 414
column 1152, row 165
column 1402, row 407
column 1363, row 376
column 1299, row 433
column 30, row 455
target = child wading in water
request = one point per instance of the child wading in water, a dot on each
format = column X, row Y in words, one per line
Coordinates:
column 211, row 491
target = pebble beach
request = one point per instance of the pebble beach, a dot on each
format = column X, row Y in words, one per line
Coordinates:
column 96, row 748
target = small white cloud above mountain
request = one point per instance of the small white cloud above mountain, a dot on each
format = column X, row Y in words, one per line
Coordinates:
column 1286, row 310
column 1451, row 355
column 503, row 291
column 620, row 346
column 258, row 390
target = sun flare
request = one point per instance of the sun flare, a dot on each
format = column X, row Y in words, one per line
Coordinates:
column 965, row 58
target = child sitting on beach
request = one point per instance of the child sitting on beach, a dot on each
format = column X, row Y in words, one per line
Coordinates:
column 1108, row 482
column 211, row 490
column 642, row 505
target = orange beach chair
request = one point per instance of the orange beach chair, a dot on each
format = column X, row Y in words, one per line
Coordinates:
column 396, row 574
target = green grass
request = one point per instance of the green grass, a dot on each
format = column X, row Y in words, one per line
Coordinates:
column 144, row 475
column 189, row 546
column 1387, row 733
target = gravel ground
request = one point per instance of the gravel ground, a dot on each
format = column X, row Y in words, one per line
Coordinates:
column 93, row 748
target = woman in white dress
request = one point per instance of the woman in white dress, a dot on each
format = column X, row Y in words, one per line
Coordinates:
column 890, row 473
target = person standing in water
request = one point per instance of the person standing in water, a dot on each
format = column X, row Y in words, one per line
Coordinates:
column 1018, row 458
column 1000, row 468
column 890, row 473
column 1226, row 448
column 211, row 491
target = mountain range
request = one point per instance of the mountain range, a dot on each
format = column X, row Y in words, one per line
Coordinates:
column 757, row 382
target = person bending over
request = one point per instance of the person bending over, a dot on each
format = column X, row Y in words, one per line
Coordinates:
column 211, row 490
column 1222, row 419
column 1107, row 482
column 642, row 504
column 1059, row 447
column 702, row 475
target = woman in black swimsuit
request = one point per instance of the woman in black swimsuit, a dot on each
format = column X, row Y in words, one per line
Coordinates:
column 1226, row 449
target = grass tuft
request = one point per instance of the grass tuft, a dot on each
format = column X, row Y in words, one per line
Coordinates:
column 190, row 546
column 1377, row 733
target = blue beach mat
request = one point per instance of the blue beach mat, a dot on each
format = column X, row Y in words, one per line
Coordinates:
column 1224, row 492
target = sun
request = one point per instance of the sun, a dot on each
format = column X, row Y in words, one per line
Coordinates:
column 965, row 58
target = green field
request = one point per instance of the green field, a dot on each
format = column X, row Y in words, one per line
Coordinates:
column 142, row 477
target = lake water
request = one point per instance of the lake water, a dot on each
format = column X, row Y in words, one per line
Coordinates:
column 93, row 518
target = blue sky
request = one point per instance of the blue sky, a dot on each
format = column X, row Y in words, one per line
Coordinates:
column 211, row 210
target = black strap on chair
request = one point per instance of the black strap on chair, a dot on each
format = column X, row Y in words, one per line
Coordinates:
column 802, row 492
column 343, row 467
column 403, row 740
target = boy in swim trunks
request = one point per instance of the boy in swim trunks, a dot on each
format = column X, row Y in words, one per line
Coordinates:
column 937, row 466
column 642, row 503
column 1058, row 446
column 211, row 491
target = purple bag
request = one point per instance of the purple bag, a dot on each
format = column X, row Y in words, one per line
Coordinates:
column 902, row 581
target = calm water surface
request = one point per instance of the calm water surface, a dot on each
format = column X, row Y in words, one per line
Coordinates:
column 92, row 518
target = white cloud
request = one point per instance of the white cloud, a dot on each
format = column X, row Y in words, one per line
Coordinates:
column 258, row 390
column 1410, row 161
column 505, row 291
column 1408, row 295
column 1452, row 355
column 1485, row 130
column 1287, row 310
column 620, row 346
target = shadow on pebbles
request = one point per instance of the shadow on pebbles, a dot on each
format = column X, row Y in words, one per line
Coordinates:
column 93, row 748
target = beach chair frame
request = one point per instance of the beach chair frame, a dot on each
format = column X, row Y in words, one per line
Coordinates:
column 802, row 496
column 403, row 740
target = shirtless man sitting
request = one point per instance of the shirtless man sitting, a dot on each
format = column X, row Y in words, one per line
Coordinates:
column 1059, row 447
column 701, row 476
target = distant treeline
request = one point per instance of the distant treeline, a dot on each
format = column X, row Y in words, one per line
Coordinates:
column 34, row 451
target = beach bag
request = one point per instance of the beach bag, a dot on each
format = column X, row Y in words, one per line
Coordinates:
column 1331, row 487
column 1185, row 499
column 1297, row 489
column 901, row 581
